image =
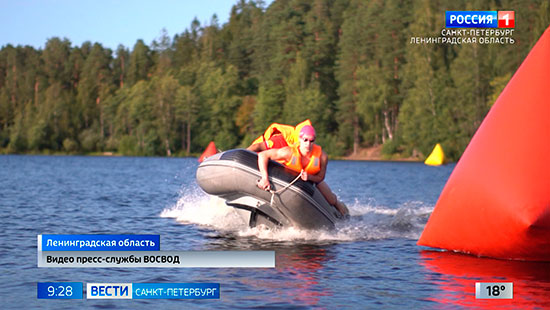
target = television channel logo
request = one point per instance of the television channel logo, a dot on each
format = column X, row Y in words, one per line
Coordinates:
column 479, row 19
column 506, row 19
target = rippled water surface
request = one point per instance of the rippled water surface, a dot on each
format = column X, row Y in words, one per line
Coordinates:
column 372, row 261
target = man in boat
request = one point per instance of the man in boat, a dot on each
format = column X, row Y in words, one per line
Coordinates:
column 277, row 136
column 305, row 157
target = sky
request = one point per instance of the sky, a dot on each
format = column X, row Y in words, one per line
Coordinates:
column 109, row 22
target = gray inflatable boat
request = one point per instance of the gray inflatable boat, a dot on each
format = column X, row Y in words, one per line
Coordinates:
column 232, row 175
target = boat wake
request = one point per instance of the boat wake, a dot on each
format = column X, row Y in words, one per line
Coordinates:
column 368, row 221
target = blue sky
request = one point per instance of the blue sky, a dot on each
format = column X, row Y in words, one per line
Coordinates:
column 109, row 22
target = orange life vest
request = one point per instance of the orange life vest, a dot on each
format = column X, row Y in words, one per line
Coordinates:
column 290, row 133
column 314, row 165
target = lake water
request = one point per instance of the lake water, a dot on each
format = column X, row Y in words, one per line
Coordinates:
column 370, row 262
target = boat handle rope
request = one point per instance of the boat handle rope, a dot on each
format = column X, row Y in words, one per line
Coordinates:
column 284, row 188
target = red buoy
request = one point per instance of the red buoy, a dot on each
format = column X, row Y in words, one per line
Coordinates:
column 496, row 202
column 209, row 151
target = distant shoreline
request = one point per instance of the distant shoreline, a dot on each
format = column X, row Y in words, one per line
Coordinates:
column 373, row 153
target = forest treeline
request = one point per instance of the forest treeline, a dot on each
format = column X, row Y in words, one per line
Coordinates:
column 348, row 65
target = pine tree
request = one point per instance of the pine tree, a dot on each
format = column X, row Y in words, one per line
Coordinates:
column 187, row 110
column 120, row 66
column 239, row 35
column 165, row 89
column 425, row 78
column 96, row 85
column 217, row 89
column 55, row 57
column 320, row 48
column 140, row 63
column 352, row 54
column 162, row 54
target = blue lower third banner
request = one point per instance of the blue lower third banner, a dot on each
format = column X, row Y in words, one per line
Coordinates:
column 98, row 242
column 59, row 290
column 153, row 290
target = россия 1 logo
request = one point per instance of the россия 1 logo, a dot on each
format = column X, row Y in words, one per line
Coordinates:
column 506, row 19
column 479, row 19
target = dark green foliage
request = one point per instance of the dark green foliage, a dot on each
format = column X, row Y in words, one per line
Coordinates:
column 348, row 65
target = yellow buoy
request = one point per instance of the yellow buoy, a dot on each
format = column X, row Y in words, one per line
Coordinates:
column 437, row 157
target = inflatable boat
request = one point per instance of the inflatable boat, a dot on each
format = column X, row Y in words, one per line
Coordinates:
column 232, row 175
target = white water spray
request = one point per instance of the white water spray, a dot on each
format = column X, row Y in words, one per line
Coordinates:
column 368, row 221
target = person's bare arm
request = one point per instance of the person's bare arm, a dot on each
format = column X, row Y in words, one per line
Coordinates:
column 263, row 158
column 257, row 147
